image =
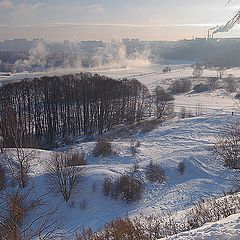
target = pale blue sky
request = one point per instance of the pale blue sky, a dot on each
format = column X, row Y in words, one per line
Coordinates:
column 105, row 19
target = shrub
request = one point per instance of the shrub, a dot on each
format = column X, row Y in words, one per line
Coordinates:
column 124, row 187
column 197, row 70
column 155, row 173
column 227, row 147
column 181, row 168
column 138, row 144
column 237, row 96
column 150, row 125
column 86, row 234
column 181, row 86
column 213, row 83
column 124, row 229
column 134, row 147
column 135, row 167
column 231, row 85
column 94, row 187
column 198, row 109
column 102, row 148
column 200, row 88
column 128, row 188
column 211, row 210
column 166, row 70
column 106, row 186
column 133, row 150
column 76, row 159
column 119, row 229
column 2, row 177
column 157, row 227
column 183, row 112
column 83, row 204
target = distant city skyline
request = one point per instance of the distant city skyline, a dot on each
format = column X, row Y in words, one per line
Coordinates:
column 77, row 20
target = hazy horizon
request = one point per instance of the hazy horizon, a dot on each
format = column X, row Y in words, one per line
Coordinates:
column 104, row 19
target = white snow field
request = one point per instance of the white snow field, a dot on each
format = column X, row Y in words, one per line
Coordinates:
column 188, row 140
column 151, row 76
column 225, row 229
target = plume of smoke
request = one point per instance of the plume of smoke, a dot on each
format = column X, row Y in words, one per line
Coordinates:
column 228, row 2
column 230, row 24
column 212, row 29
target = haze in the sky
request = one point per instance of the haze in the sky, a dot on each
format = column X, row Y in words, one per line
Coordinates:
column 77, row 20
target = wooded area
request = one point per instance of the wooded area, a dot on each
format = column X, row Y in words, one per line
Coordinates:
column 42, row 110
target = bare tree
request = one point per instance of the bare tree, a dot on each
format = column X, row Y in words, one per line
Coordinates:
column 183, row 112
column 197, row 71
column 18, row 157
column 1, row 144
column 2, row 177
column 220, row 73
column 198, row 109
column 181, row 168
column 25, row 215
column 227, row 147
column 18, row 161
column 62, row 177
column 164, row 102
column 231, row 84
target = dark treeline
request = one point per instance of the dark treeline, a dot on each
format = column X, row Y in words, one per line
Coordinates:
column 52, row 108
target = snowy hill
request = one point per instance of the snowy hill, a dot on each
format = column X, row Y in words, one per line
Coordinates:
column 228, row 228
column 168, row 143
column 187, row 140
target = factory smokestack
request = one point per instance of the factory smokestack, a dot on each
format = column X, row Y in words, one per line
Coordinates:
column 211, row 29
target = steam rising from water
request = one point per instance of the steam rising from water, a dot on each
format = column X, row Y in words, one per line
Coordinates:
column 113, row 55
column 37, row 58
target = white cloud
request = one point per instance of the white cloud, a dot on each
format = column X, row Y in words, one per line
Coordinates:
column 22, row 7
column 76, row 8
column 6, row 4
column 128, row 25
column 93, row 8
column 26, row 8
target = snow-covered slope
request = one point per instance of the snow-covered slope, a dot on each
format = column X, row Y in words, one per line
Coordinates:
column 186, row 140
column 226, row 229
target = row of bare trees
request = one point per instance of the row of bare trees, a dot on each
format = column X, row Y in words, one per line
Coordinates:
column 39, row 111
